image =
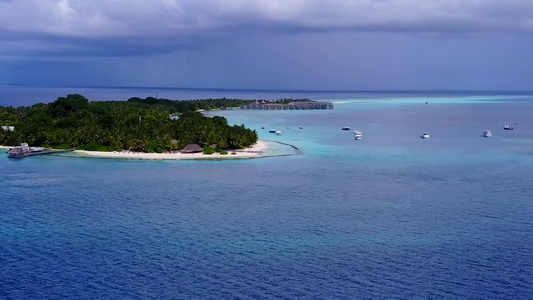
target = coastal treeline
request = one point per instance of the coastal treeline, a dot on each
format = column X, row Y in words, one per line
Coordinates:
column 138, row 124
column 207, row 104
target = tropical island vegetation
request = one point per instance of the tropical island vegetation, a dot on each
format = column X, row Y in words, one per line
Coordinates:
column 209, row 104
column 137, row 124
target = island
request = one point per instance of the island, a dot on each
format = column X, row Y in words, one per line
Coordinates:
column 133, row 126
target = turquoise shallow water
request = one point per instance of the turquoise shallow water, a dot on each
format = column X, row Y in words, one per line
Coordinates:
column 389, row 216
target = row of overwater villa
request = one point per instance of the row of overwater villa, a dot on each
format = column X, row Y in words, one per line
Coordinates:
column 263, row 105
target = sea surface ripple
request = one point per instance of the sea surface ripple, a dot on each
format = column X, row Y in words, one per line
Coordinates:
column 391, row 216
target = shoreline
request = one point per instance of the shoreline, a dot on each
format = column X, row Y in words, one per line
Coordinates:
column 261, row 149
column 255, row 151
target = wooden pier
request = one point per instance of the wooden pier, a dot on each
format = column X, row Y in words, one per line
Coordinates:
column 44, row 152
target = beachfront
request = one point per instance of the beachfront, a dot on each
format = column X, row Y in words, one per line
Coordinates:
column 255, row 151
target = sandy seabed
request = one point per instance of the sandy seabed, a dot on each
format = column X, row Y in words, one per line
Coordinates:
column 255, row 151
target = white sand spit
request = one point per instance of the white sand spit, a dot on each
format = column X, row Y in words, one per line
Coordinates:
column 252, row 152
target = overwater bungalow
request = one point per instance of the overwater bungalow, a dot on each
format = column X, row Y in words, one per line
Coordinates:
column 290, row 106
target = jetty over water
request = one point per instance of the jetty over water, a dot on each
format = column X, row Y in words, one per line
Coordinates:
column 290, row 106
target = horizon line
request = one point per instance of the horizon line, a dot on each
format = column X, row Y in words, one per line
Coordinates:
column 271, row 89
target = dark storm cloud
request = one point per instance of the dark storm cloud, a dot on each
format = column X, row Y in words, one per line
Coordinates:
column 136, row 27
column 287, row 44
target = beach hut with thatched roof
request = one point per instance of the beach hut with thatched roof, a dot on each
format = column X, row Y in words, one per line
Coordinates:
column 192, row 148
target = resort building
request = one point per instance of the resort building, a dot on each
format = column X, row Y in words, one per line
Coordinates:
column 192, row 148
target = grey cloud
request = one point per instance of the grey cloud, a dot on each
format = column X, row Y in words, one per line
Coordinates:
column 137, row 18
column 110, row 27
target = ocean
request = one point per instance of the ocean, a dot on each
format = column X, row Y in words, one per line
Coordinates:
column 391, row 216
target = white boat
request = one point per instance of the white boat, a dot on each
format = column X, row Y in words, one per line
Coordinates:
column 279, row 132
column 24, row 151
column 425, row 136
column 358, row 135
column 487, row 133
column 346, row 128
column 36, row 149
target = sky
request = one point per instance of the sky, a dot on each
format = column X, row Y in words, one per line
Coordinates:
column 269, row 44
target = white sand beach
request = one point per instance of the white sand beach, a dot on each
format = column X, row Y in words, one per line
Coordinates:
column 252, row 152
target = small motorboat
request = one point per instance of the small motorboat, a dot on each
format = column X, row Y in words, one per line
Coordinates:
column 279, row 132
column 487, row 133
column 506, row 126
column 358, row 135
column 425, row 136
column 301, row 127
column 346, row 128
column 272, row 131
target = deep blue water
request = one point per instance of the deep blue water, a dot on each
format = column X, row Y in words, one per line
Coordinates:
column 391, row 216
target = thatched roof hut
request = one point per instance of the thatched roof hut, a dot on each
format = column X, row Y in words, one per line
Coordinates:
column 192, row 148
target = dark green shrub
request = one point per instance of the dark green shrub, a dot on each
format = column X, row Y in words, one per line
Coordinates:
column 62, row 147
column 106, row 149
column 93, row 146
column 208, row 150
column 151, row 146
column 221, row 151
